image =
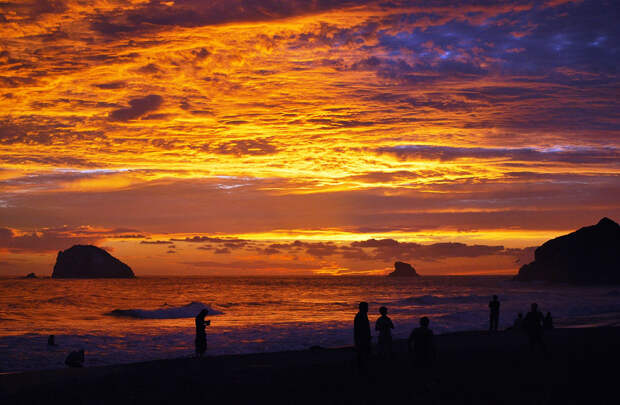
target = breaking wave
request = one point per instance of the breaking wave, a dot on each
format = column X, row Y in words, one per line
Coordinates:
column 166, row 312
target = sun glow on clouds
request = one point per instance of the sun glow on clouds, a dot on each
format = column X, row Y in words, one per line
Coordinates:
column 325, row 121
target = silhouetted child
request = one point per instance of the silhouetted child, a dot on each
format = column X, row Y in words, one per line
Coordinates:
column 201, row 335
column 534, row 328
column 51, row 340
column 384, row 325
column 421, row 344
column 75, row 358
column 493, row 314
column 548, row 322
column 361, row 335
column 518, row 323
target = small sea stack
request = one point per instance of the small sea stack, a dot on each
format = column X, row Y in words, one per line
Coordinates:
column 87, row 261
column 30, row 275
column 590, row 255
column 402, row 269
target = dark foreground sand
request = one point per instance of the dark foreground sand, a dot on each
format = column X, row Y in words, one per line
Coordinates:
column 472, row 368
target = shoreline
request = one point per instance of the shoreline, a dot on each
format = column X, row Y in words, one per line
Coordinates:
column 600, row 324
column 61, row 366
column 504, row 356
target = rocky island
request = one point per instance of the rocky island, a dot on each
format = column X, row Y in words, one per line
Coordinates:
column 590, row 255
column 87, row 261
column 402, row 269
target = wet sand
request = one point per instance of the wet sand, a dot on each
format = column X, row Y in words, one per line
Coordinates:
column 471, row 368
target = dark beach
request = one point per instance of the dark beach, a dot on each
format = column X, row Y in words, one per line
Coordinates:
column 471, row 368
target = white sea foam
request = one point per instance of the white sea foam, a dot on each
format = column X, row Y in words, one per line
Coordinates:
column 166, row 312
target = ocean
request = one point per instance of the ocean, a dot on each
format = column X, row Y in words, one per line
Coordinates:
column 128, row 320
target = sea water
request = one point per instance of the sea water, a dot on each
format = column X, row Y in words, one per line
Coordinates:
column 121, row 321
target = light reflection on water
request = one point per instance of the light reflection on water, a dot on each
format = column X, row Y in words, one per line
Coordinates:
column 259, row 313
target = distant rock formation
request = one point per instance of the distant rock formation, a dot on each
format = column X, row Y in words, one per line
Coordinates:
column 87, row 261
column 590, row 255
column 30, row 275
column 402, row 269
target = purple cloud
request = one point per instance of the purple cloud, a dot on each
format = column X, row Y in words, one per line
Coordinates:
column 137, row 108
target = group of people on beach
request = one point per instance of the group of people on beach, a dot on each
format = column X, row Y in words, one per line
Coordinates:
column 535, row 318
column 533, row 324
column 421, row 342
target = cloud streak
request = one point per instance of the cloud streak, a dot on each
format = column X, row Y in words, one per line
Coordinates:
column 609, row 156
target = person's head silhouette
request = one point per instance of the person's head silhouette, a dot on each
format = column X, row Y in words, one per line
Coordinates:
column 363, row 307
column 383, row 311
column 424, row 321
column 203, row 313
column 520, row 315
column 534, row 307
column 495, row 298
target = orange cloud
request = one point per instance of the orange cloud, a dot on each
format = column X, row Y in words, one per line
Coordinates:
column 359, row 118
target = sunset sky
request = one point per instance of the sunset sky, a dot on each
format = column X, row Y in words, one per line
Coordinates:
column 305, row 137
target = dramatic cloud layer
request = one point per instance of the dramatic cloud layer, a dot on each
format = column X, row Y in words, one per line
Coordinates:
column 247, row 133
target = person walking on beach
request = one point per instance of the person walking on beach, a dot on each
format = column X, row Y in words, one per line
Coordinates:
column 493, row 314
column 384, row 325
column 361, row 335
column 421, row 344
column 533, row 325
column 201, row 335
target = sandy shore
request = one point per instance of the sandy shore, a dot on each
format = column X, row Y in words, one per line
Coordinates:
column 472, row 368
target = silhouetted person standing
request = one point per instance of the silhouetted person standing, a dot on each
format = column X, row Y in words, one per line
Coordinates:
column 201, row 335
column 361, row 335
column 493, row 314
column 548, row 322
column 534, row 328
column 51, row 340
column 421, row 344
column 384, row 325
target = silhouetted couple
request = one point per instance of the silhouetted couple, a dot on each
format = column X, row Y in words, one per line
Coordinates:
column 201, row 334
column 363, row 338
